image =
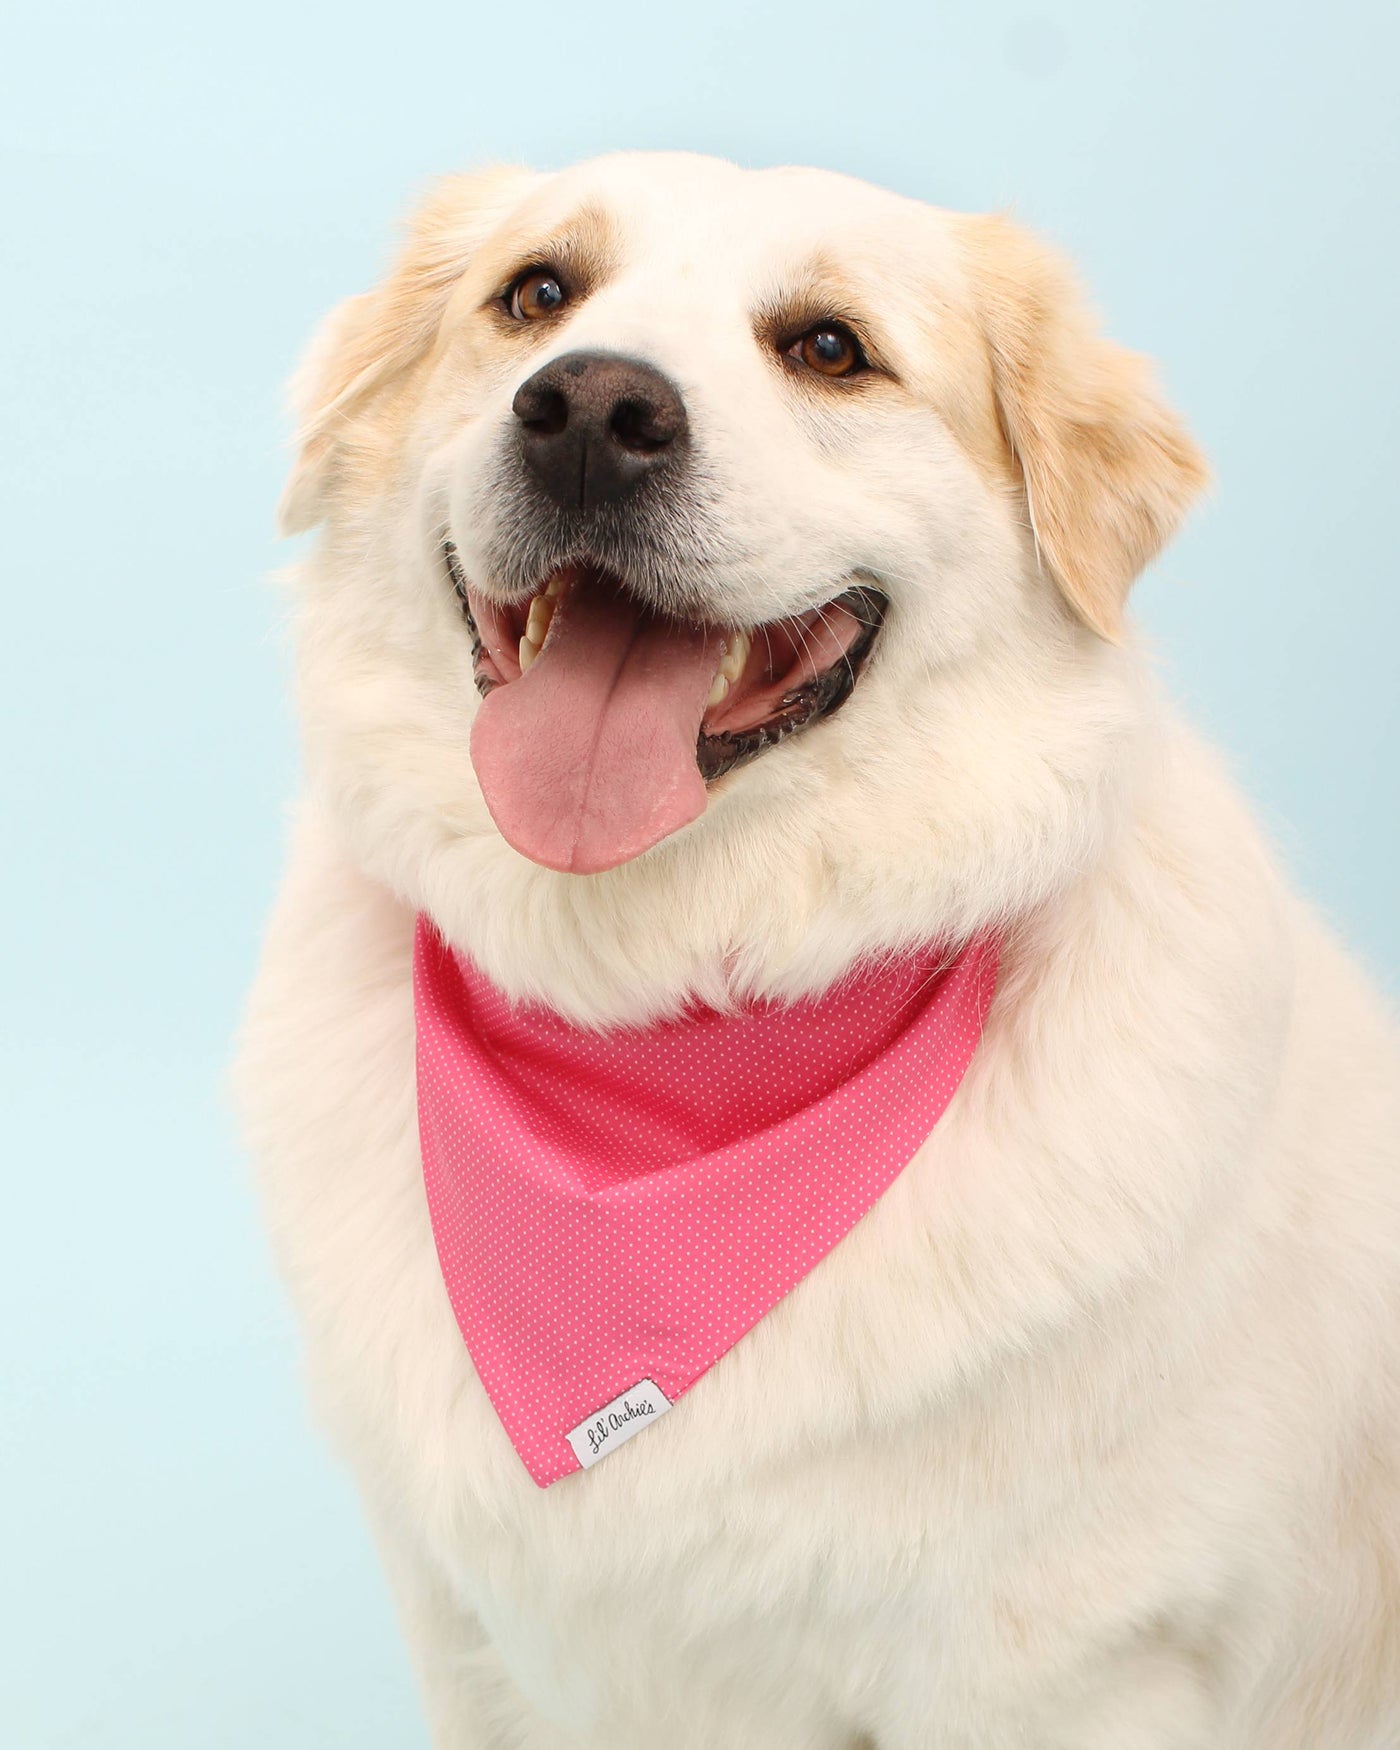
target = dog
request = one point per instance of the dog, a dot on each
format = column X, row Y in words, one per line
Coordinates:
column 1087, row 1432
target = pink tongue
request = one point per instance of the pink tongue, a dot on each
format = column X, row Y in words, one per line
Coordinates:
column 589, row 758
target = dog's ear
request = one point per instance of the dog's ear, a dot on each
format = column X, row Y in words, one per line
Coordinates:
column 367, row 341
column 1109, row 470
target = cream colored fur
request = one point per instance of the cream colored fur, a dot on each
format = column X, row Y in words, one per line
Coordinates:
column 1086, row 1437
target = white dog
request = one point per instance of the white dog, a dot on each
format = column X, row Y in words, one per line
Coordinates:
column 1087, row 1434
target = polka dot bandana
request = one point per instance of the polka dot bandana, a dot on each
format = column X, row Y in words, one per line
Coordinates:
column 614, row 1210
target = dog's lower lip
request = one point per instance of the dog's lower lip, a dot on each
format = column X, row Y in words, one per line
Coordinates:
column 818, row 698
column 720, row 752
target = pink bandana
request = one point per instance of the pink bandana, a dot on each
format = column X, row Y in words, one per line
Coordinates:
column 613, row 1211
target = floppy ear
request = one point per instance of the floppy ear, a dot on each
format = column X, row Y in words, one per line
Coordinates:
column 368, row 341
column 1109, row 470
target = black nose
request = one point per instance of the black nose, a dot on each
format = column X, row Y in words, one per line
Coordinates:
column 594, row 424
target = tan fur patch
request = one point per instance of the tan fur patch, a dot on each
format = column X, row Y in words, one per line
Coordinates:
column 584, row 249
column 1108, row 468
column 372, row 338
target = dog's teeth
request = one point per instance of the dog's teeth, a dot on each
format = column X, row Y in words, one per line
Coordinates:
column 735, row 657
column 537, row 621
column 528, row 653
column 718, row 688
column 555, row 587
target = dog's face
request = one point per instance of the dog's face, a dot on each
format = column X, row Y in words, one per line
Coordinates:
column 734, row 555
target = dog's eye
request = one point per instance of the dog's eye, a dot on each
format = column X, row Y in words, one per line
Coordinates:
column 534, row 295
column 830, row 350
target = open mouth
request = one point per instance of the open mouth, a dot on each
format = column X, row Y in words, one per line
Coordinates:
column 604, row 720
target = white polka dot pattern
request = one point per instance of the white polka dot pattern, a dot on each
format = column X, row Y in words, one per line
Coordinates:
column 612, row 1207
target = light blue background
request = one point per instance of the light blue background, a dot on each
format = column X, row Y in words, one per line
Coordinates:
column 183, row 191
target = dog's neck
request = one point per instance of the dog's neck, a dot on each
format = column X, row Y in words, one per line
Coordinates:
column 804, row 870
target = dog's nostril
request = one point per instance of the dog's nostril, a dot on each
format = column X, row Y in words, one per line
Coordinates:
column 541, row 409
column 640, row 426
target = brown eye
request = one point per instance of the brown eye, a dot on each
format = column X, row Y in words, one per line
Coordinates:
column 534, row 295
column 831, row 350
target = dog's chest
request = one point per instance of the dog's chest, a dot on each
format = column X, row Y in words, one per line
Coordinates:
column 892, row 1540
column 762, row 1504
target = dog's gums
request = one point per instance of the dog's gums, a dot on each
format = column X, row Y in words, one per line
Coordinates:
column 637, row 712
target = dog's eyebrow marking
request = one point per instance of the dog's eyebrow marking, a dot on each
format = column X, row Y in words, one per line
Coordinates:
column 819, row 291
column 585, row 249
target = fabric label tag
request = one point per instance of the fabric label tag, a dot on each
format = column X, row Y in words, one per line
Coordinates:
column 626, row 1415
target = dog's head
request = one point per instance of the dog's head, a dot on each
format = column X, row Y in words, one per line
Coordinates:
column 720, row 568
